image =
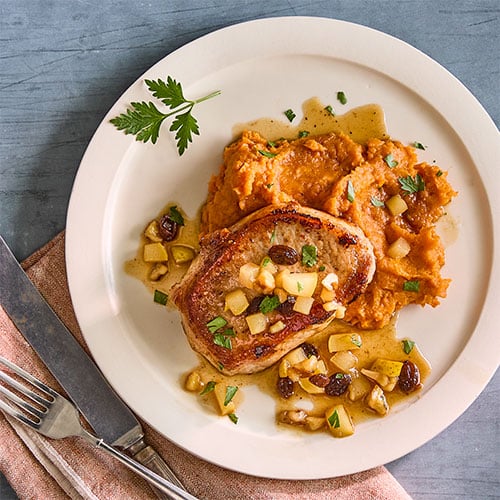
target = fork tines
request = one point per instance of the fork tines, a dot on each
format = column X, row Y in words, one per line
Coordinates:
column 32, row 414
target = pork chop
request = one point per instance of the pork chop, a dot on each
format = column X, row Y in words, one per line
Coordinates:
column 266, row 284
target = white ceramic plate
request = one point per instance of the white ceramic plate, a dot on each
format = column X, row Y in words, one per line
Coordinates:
column 262, row 68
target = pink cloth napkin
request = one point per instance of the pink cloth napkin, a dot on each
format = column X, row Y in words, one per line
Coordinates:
column 39, row 468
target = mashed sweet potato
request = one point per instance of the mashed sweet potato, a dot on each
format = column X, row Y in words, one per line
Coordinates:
column 330, row 172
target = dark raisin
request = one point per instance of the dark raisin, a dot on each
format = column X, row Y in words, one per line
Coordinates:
column 409, row 378
column 283, row 255
column 286, row 308
column 260, row 350
column 319, row 380
column 309, row 349
column 168, row 228
column 285, row 387
column 338, row 384
column 255, row 304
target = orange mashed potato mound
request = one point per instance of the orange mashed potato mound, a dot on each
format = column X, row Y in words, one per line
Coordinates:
column 332, row 173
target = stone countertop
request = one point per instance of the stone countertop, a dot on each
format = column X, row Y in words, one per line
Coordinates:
column 63, row 64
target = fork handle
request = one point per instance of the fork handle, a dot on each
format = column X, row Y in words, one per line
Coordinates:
column 162, row 484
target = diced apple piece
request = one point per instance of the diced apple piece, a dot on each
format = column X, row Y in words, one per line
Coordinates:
column 293, row 374
column 339, row 421
column 376, row 401
column 248, row 274
column 344, row 360
column 378, row 377
column 220, row 391
column 194, row 382
column 340, row 312
column 309, row 387
column 296, row 356
column 157, row 271
column 280, row 276
column 396, row 205
column 359, row 388
column 327, row 295
column 314, row 423
column 283, row 368
column 182, row 254
column 281, row 294
column 300, row 284
column 236, row 301
column 308, row 365
column 330, row 281
column 332, row 306
column 152, row 232
column 257, row 323
column 277, row 327
column 265, row 281
column 155, row 252
column 321, row 368
column 399, row 249
column 303, row 305
column 387, row 367
column 269, row 265
column 344, row 342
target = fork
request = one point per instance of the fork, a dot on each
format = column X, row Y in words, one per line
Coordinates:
column 52, row 415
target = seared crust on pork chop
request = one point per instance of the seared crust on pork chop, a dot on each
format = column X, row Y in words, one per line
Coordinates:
column 342, row 251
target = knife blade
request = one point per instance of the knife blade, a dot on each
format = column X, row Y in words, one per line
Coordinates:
column 77, row 373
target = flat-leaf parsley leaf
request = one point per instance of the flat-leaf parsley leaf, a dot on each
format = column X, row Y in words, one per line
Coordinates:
column 144, row 119
column 412, row 184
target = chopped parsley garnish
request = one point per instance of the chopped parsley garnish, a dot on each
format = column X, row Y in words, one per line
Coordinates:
column 272, row 239
column 266, row 260
column 329, row 109
column 411, row 286
column 208, row 388
column 233, row 417
column 222, row 339
column 376, row 202
column 176, row 216
column 356, row 340
column 439, row 173
column 418, row 145
column 334, row 420
column 412, row 184
column 341, row 97
column 303, row 133
column 290, row 115
column 268, row 304
column 390, row 161
column 144, row 119
column 269, row 186
column 220, row 366
column 215, row 324
column 160, row 297
column 309, row 255
column 267, row 154
column 351, row 194
column 230, row 392
column 271, row 144
column 321, row 268
column 300, row 286
column 339, row 376
column 408, row 345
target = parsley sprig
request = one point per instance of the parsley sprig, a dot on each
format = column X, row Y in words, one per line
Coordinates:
column 144, row 119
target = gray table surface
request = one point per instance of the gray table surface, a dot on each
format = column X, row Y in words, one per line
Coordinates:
column 64, row 63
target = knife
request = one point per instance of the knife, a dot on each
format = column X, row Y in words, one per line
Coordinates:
column 108, row 415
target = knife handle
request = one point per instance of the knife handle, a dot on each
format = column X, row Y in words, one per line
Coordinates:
column 150, row 458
